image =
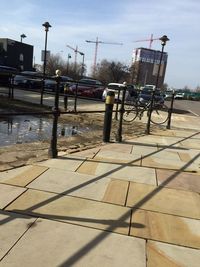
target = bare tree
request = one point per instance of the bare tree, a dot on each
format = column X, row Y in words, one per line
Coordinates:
column 111, row 72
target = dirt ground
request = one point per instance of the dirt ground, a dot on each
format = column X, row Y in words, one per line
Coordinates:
column 23, row 154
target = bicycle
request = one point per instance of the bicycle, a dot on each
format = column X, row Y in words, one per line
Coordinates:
column 134, row 109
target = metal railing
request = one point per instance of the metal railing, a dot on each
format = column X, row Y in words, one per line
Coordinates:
column 109, row 104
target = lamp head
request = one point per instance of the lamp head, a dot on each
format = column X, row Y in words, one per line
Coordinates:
column 163, row 40
column 46, row 26
column 23, row 35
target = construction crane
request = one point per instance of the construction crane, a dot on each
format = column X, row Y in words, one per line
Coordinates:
column 75, row 51
column 97, row 42
column 148, row 40
column 75, row 58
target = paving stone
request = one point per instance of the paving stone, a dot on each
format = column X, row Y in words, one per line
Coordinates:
column 52, row 243
column 71, row 183
column 13, row 226
column 122, row 172
column 195, row 143
column 116, row 192
column 27, row 176
column 69, row 163
column 8, row 193
column 165, row 200
column 118, row 147
column 144, row 150
column 166, row 255
column 166, row 228
column 88, row 153
column 118, row 157
column 170, row 164
column 73, row 210
column 8, row 174
column 179, row 180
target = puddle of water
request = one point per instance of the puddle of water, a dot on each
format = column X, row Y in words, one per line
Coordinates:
column 25, row 129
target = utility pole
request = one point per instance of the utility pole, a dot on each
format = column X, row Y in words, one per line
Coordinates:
column 97, row 42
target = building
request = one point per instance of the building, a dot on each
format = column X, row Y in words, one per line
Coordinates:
column 145, row 67
column 16, row 54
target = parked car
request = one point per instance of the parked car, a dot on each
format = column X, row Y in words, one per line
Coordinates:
column 179, row 96
column 131, row 92
column 145, row 96
column 88, row 88
column 5, row 74
column 28, row 79
column 50, row 85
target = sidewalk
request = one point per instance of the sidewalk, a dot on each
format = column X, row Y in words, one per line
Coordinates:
column 134, row 203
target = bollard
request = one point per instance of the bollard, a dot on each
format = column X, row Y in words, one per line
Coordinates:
column 66, row 87
column 149, row 112
column 53, row 152
column 110, row 98
column 119, row 132
column 170, row 111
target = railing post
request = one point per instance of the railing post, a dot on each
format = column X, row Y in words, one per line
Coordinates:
column 119, row 132
column 56, row 113
column 66, row 88
column 75, row 100
column 170, row 111
column 117, row 105
column 110, row 98
column 149, row 112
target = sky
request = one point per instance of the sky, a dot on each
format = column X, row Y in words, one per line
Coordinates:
column 115, row 21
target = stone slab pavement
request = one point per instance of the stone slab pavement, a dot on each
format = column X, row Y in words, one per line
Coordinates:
column 135, row 203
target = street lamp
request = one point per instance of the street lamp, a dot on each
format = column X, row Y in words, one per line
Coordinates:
column 68, row 57
column 82, row 69
column 46, row 28
column 22, row 36
column 163, row 40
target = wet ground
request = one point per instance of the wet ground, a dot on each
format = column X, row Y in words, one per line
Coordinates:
column 25, row 129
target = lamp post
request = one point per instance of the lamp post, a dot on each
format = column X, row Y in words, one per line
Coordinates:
column 82, row 69
column 68, row 57
column 163, row 40
column 46, row 28
column 22, row 36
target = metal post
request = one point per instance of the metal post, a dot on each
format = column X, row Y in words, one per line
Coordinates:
column 170, row 111
column 47, row 26
column 56, row 113
column 108, row 116
column 117, row 105
column 65, row 97
column 44, row 69
column 149, row 112
column 75, row 100
column 119, row 132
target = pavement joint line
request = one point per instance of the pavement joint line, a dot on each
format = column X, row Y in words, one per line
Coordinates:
column 123, row 217
column 15, row 198
column 102, row 236
column 12, row 246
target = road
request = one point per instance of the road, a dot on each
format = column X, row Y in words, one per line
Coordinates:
column 180, row 106
column 48, row 100
column 186, row 107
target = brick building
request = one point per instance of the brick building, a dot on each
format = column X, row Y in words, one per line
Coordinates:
column 145, row 67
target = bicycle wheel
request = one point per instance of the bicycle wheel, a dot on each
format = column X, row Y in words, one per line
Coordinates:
column 130, row 113
column 159, row 114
